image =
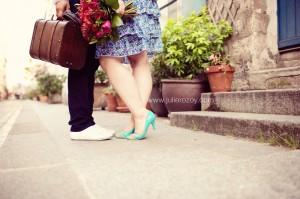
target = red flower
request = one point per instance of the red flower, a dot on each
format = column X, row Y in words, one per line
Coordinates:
column 100, row 34
column 96, row 22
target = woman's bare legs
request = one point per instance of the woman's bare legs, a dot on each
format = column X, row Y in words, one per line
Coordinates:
column 142, row 76
column 124, row 83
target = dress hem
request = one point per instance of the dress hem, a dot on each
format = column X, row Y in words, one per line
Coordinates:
column 124, row 56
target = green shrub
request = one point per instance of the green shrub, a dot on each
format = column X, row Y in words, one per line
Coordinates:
column 49, row 84
column 188, row 44
column 160, row 69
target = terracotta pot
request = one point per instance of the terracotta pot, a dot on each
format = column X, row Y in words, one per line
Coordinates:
column 43, row 98
column 99, row 96
column 111, row 102
column 220, row 77
column 156, row 102
column 184, row 95
column 122, row 107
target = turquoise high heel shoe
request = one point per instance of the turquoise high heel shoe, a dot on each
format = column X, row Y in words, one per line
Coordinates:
column 150, row 120
column 124, row 134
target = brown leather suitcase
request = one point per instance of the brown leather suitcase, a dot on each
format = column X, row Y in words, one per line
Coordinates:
column 59, row 42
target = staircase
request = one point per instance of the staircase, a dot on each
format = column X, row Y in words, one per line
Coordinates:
column 265, row 115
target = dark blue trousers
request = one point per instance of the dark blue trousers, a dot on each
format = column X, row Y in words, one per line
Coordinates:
column 81, row 90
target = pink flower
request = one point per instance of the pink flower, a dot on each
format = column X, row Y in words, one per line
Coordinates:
column 106, row 26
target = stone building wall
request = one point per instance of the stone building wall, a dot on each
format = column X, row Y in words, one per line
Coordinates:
column 253, row 49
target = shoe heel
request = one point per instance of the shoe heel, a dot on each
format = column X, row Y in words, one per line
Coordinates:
column 153, row 125
column 150, row 120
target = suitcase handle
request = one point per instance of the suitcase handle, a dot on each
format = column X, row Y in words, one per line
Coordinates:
column 70, row 16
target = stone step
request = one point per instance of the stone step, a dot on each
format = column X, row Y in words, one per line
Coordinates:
column 283, row 102
column 250, row 125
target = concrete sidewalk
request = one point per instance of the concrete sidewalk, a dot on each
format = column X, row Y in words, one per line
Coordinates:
column 38, row 160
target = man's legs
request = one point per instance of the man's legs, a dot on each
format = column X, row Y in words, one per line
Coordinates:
column 81, row 99
column 81, row 94
column 81, row 90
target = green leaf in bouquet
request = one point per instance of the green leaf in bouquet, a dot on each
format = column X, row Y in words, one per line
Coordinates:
column 93, row 41
column 117, row 21
column 99, row 22
column 114, row 4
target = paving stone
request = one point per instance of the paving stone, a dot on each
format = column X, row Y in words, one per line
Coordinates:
column 27, row 128
column 58, row 182
column 28, row 151
column 27, row 117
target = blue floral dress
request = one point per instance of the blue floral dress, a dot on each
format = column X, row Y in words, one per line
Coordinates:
column 140, row 33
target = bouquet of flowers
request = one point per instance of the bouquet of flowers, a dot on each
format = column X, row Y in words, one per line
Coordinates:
column 100, row 20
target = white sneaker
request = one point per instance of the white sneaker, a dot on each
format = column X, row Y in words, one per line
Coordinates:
column 94, row 132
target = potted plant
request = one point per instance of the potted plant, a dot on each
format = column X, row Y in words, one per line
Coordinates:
column 187, row 45
column 219, row 73
column 50, row 87
column 101, row 82
column 43, row 93
column 159, row 71
column 111, row 101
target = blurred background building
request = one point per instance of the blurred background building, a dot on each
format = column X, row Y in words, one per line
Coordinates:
column 2, row 78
